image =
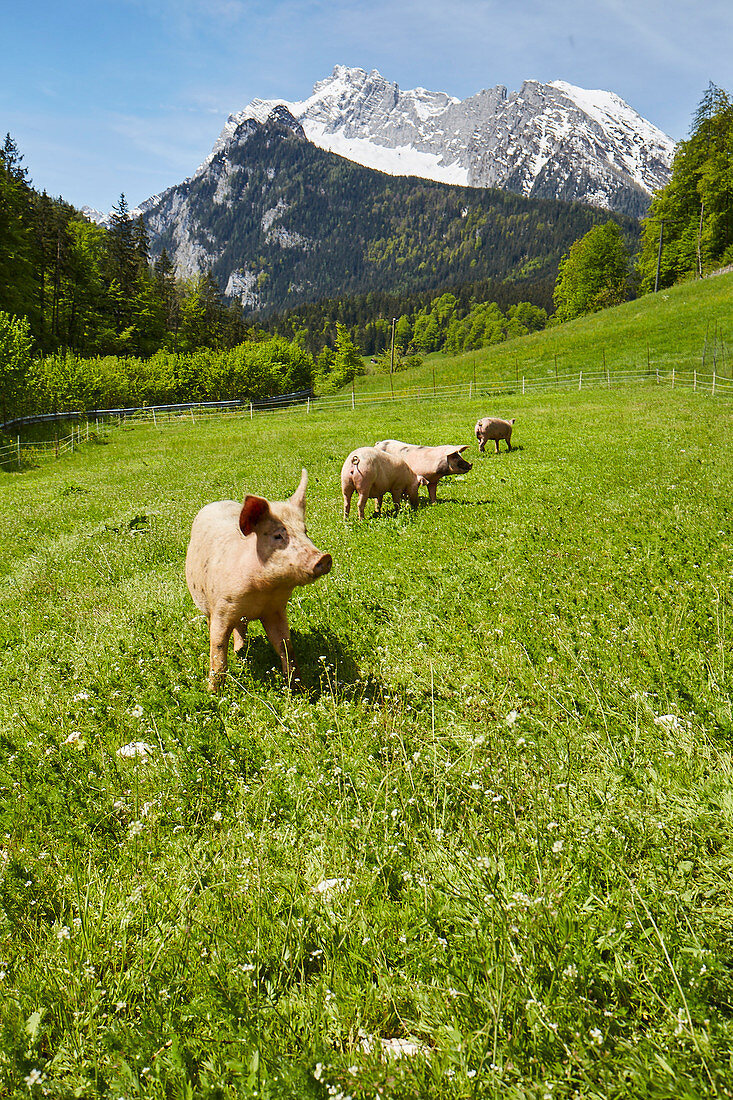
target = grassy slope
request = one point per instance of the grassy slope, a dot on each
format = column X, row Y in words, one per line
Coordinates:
column 672, row 327
column 535, row 871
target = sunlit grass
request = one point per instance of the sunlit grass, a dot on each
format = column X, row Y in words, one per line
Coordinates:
column 497, row 828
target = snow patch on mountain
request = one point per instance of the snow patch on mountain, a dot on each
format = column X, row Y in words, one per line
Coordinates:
column 401, row 160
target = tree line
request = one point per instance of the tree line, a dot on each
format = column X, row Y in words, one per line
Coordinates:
column 94, row 290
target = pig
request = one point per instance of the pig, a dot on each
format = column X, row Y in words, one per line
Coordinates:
column 372, row 473
column 242, row 564
column 429, row 463
column 491, row 427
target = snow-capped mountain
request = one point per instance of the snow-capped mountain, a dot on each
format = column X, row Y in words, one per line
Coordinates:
column 276, row 218
column 278, row 221
column 546, row 140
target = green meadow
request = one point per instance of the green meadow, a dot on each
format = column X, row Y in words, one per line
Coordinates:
column 685, row 328
column 486, row 854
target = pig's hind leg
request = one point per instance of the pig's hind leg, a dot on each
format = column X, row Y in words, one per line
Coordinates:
column 278, row 631
column 239, row 636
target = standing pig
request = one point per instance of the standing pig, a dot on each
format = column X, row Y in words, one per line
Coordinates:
column 493, row 428
column 429, row 463
column 372, row 473
column 243, row 562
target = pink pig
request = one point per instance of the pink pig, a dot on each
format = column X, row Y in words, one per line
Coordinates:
column 242, row 564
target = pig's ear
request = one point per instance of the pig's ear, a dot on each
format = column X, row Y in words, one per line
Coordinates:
column 298, row 497
column 253, row 510
column 460, row 450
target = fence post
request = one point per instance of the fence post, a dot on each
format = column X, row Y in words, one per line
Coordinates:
column 18, row 452
column 522, row 385
column 694, row 380
column 155, row 422
column 470, row 390
column 250, row 408
column 580, row 379
column 713, row 389
column 672, row 377
column 656, row 371
column 193, row 421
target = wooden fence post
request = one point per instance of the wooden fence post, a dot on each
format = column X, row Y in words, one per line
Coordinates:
column 580, row 379
column 713, row 389
column 694, row 380
column 672, row 377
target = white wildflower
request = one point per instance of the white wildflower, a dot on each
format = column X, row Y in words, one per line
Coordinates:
column 318, row 1071
column 217, row 816
column 511, row 717
column 80, row 697
column 667, row 721
column 596, row 1035
column 557, row 847
column 76, row 737
column 34, row 1077
column 63, row 933
column 136, row 828
column 137, row 711
column 137, row 749
column 328, row 884
column 400, row 1048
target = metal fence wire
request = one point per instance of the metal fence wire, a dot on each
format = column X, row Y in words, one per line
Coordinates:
column 98, row 423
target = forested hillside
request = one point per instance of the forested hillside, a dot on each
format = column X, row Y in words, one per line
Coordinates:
column 281, row 222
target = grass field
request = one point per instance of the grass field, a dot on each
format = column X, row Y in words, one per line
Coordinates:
column 493, row 837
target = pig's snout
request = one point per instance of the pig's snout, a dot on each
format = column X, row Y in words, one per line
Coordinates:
column 323, row 565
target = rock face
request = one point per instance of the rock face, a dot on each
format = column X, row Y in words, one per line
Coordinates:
column 546, row 140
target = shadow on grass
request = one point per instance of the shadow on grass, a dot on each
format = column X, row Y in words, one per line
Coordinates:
column 465, row 503
column 326, row 666
column 516, row 447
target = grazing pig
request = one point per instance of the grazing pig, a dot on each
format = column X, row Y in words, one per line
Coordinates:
column 371, row 473
column 243, row 562
column 429, row 463
column 491, row 427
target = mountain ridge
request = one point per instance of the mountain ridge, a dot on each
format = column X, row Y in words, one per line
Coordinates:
column 551, row 140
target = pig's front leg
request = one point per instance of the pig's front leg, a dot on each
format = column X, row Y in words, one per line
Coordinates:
column 219, row 633
column 277, row 630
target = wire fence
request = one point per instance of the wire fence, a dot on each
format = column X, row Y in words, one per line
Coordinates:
column 91, row 427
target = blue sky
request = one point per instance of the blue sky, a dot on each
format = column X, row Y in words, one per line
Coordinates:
column 105, row 96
